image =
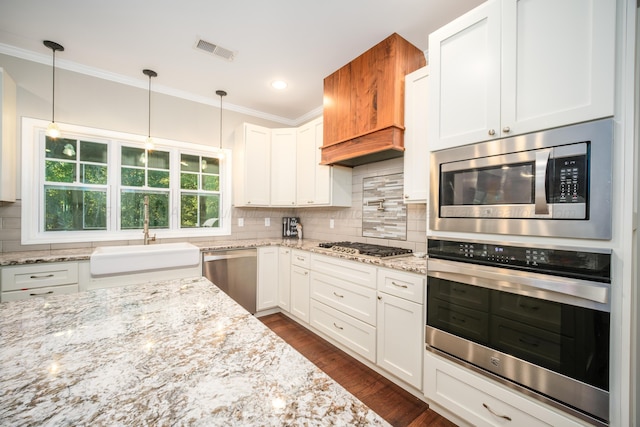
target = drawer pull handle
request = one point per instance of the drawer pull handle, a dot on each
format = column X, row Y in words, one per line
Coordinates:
column 300, row 258
column 400, row 286
column 337, row 327
column 338, row 295
column 504, row 417
column 41, row 293
column 41, row 277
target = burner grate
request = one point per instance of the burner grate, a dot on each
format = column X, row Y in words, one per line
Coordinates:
column 366, row 249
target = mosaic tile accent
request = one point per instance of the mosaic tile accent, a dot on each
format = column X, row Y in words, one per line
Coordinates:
column 384, row 214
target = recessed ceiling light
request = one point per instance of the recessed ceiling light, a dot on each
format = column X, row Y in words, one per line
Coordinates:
column 279, row 84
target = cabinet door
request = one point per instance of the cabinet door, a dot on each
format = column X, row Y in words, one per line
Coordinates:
column 306, row 166
column 284, row 279
column 252, row 166
column 267, row 278
column 416, row 155
column 300, row 293
column 8, row 148
column 400, row 338
column 337, row 106
column 464, row 68
column 558, row 63
column 283, row 167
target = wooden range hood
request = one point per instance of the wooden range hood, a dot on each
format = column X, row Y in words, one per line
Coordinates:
column 364, row 104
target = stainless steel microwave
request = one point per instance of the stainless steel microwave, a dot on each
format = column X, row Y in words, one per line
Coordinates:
column 551, row 183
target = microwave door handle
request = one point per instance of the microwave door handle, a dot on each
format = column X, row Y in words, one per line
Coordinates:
column 542, row 160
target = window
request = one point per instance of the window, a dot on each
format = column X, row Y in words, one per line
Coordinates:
column 90, row 185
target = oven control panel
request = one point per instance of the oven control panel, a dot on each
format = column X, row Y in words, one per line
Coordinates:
column 564, row 261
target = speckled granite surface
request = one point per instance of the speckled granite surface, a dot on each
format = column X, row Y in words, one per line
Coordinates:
column 407, row 263
column 169, row 353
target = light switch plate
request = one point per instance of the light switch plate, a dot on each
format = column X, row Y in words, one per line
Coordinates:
column 332, row 223
column 267, row 222
column 240, row 222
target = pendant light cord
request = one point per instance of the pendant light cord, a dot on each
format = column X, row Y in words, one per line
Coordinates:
column 221, row 93
column 149, row 104
column 53, row 89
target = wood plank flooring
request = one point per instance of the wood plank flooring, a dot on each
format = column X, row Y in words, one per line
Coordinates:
column 397, row 406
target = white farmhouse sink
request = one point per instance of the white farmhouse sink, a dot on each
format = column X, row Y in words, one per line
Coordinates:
column 137, row 258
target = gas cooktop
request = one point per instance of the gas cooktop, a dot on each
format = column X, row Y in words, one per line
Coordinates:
column 368, row 249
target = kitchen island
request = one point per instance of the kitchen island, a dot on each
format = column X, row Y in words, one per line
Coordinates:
column 178, row 352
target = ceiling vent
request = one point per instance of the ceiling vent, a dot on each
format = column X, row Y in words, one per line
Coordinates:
column 215, row 50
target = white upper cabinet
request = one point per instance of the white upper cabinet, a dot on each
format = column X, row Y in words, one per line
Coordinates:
column 8, row 143
column 252, row 166
column 416, row 153
column 283, row 167
column 511, row 67
column 319, row 185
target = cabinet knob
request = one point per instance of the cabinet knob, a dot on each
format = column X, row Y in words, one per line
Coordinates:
column 406, row 196
column 492, row 132
column 506, row 129
column 379, row 297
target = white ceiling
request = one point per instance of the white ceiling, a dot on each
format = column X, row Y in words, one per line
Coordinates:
column 300, row 41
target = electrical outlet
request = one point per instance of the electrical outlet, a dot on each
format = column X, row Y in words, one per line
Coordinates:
column 240, row 222
column 267, row 222
column 332, row 223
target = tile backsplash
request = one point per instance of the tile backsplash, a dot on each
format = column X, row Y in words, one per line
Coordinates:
column 384, row 214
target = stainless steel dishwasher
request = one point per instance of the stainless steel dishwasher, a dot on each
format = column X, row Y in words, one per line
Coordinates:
column 235, row 272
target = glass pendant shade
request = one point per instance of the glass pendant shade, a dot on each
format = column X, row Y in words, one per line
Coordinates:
column 53, row 130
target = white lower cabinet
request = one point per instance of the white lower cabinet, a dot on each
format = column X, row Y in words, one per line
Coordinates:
column 267, row 278
column 400, row 324
column 343, row 302
column 355, row 300
column 300, row 285
column 284, row 279
column 348, row 331
column 482, row 402
column 400, row 338
column 38, row 280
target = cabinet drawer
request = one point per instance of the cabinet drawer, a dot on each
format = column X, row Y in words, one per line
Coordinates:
column 352, row 271
column 354, row 300
column 352, row 333
column 34, row 276
column 300, row 258
column 403, row 285
column 39, row 292
column 482, row 402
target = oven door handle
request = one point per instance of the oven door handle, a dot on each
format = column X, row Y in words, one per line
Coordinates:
column 523, row 283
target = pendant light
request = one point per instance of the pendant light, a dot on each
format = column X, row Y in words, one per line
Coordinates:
column 220, row 93
column 149, row 142
column 53, row 131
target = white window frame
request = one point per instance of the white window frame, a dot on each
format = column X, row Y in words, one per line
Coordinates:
column 33, row 158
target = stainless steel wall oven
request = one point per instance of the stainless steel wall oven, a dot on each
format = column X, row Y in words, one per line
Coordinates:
column 536, row 319
column 551, row 183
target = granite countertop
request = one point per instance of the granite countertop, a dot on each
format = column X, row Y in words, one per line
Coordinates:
column 167, row 353
column 407, row 263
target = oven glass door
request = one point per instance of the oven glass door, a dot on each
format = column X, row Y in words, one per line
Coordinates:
column 567, row 339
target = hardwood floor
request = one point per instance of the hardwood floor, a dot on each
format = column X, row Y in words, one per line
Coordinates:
column 397, row 406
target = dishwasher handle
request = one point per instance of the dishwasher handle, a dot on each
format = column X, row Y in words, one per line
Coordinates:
column 229, row 255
